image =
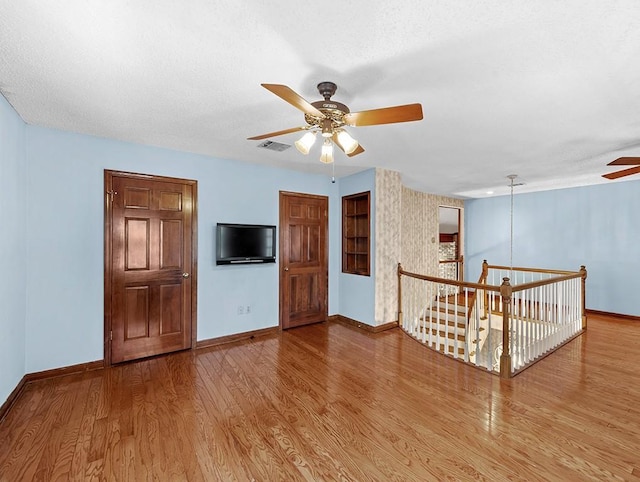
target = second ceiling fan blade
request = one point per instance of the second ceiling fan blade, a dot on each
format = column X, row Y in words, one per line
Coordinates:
column 624, row 172
column 386, row 115
column 287, row 94
column 277, row 133
column 625, row 161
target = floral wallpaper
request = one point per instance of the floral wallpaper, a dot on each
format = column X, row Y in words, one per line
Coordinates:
column 388, row 242
column 406, row 231
column 420, row 237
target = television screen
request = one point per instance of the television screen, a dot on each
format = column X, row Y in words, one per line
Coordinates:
column 245, row 243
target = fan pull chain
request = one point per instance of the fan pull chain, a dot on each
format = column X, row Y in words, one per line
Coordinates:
column 333, row 173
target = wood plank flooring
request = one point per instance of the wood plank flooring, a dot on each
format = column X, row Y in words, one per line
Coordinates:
column 331, row 402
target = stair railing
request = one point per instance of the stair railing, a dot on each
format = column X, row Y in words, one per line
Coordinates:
column 473, row 316
column 543, row 315
column 532, row 318
column 451, row 323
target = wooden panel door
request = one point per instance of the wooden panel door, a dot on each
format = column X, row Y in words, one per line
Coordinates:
column 150, row 265
column 303, row 259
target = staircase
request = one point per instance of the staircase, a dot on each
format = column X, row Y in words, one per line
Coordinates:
column 446, row 326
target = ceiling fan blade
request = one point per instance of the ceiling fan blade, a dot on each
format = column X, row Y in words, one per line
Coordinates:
column 277, row 133
column 625, row 161
column 287, row 94
column 624, row 172
column 358, row 150
column 386, row 115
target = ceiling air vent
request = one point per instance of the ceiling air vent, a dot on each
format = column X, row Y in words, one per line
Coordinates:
column 274, row 146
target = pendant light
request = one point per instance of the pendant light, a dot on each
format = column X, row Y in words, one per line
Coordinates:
column 348, row 143
column 305, row 143
column 327, row 152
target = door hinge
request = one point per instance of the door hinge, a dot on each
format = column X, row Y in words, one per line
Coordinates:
column 111, row 336
column 111, row 194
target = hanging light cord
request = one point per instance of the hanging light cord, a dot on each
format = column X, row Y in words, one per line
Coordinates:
column 511, row 177
column 511, row 241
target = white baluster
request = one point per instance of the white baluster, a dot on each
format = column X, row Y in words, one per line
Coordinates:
column 446, row 324
column 431, row 314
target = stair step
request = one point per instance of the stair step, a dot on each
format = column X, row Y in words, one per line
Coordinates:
column 455, row 325
column 435, row 314
column 450, row 335
column 451, row 309
column 459, row 300
column 441, row 346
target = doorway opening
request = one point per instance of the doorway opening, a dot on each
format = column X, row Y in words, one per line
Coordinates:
column 450, row 247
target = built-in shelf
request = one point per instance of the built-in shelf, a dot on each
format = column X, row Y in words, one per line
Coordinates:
column 356, row 212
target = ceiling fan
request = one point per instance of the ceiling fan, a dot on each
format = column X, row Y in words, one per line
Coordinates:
column 624, row 161
column 330, row 119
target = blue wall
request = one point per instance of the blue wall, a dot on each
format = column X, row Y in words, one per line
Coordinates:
column 357, row 293
column 64, row 319
column 13, row 239
column 596, row 226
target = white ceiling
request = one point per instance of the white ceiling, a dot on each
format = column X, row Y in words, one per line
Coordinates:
column 548, row 90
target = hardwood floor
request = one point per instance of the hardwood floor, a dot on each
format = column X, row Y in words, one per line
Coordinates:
column 331, row 402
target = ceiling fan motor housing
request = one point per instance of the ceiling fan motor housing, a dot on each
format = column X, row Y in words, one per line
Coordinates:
column 334, row 111
column 327, row 89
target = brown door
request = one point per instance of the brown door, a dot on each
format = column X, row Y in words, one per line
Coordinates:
column 303, row 259
column 149, row 265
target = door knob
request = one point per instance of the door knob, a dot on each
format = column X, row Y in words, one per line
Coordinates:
column 286, row 268
column 185, row 275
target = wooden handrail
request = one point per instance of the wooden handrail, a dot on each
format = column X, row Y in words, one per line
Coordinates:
column 445, row 261
column 481, row 284
column 533, row 270
column 462, row 284
column 548, row 281
column 400, row 294
column 459, row 268
column 482, row 280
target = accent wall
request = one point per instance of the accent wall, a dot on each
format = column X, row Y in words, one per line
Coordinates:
column 65, row 215
column 13, row 240
column 596, row 226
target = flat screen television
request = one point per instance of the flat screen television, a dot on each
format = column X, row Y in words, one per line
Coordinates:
column 245, row 243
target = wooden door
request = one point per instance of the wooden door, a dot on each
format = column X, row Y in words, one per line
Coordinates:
column 303, row 259
column 150, row 281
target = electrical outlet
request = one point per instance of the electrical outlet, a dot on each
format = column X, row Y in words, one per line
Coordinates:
column 248, row 310
column 241, row 310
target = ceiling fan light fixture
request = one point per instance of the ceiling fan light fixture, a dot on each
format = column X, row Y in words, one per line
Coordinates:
column 305, row 143
column 348, row 143
column 326, row 155
column 329, row 117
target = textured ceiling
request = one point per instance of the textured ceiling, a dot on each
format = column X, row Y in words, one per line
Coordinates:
column 548, row 90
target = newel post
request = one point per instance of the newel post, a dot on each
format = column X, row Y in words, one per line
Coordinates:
column 583, row 273
column 505, row 359
column 483, row 278
column 399, row 294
